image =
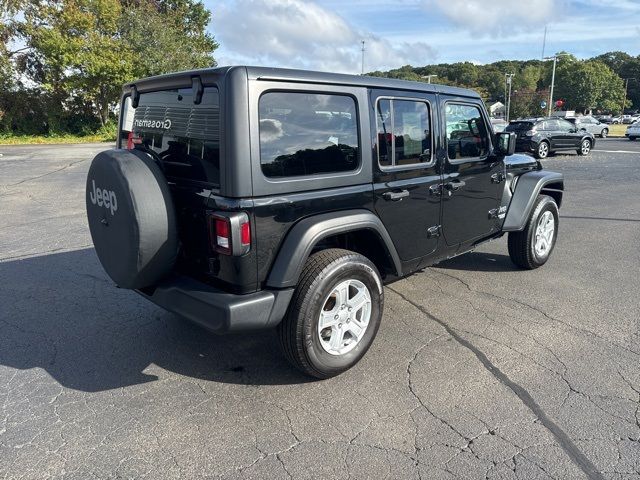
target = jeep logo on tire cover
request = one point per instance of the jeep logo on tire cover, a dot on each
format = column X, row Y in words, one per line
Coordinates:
column 103, row 198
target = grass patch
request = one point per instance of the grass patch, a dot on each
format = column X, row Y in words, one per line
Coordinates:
column 40, row 140
column 617, row 130
column 107, row 133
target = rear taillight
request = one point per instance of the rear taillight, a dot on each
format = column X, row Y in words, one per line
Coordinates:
column 529, row 133
column 230, row 232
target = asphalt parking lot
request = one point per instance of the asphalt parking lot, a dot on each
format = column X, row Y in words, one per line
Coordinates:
column 479, row 370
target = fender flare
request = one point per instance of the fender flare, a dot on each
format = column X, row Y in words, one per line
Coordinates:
column 305, row 234
column 528, row 188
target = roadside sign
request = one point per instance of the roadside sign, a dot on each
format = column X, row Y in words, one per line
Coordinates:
column 543, row 104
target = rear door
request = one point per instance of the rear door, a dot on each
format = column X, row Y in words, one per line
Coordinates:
column 406, row 175
column 180, row 129
column 472, row 183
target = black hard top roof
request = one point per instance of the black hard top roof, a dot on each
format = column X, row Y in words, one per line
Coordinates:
column 303, row 76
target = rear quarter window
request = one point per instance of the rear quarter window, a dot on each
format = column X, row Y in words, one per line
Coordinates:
column 308, row 134
column 519, row 126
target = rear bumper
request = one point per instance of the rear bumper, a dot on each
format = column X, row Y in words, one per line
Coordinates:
column 217, row 310
column 525, row 146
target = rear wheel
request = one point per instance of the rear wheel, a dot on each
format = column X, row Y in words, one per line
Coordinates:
column 532, row 247
column 543, row 150
column 585, row 147
column 632, row 138
column 334, row 314
column 604, row 133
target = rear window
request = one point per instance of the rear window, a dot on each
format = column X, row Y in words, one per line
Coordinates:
column 184, row 137
column 518, row 126
column 307, row 134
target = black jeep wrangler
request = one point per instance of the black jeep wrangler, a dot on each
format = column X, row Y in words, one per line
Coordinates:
column 248, row 198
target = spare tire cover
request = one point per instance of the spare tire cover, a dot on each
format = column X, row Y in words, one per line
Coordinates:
column 131, row 217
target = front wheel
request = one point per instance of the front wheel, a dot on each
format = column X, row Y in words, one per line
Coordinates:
column 604, row 133
column 585, row 147
column 334, row 314
column 532, row 247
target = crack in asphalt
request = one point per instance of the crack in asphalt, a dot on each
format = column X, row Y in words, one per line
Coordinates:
column 563, row 439
column 44, row 174
column 584, row 331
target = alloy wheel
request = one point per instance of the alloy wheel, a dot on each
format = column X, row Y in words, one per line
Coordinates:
column 543, row 150
column 344, row 317
column 544, row 234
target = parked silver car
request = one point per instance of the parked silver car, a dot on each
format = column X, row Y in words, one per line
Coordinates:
column 591, row 125
column 633, row 131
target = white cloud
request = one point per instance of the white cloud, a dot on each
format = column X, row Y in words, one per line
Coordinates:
column 302, row 34
column 495, row 17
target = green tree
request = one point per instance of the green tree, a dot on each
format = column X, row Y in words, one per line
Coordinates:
column 77, row 48
column 167, row 37
column 82, row 51
column 588, row 85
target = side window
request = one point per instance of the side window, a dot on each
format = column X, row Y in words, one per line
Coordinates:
column 551, row 125
column 404, row 132
column 564, row 126
column 307, row 134
column 467, row 135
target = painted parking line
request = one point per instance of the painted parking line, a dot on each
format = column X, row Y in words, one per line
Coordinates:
column 614, row 151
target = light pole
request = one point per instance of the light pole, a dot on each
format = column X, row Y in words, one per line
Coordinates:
column 428, row 77
column 508, row 79
column 362, row 69
column 553, row 78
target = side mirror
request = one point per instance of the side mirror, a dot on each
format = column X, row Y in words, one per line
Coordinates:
column 506, row 143
column 583, row 129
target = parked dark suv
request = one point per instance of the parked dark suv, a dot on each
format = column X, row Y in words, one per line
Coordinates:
column 250, row 198
column 544, row 136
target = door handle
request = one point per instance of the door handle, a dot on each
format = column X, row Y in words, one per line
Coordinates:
column 454, row 185
column 395, row 196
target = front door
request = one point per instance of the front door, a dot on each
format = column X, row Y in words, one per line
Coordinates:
column 473, row 175
column 405, row 174
column 570, row 134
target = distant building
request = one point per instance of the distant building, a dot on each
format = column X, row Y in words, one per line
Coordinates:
column 497, row 110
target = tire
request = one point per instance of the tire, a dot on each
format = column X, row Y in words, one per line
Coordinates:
column 585, row 147
column 524, row 248
column 604, row 133
column 632, row 138
column 131, row 218
column 315, row 351
column 543, row 150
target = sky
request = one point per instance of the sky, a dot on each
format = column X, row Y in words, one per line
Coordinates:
column 326, row 34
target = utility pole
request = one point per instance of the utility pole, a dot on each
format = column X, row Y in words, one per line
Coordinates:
column 626, row 86
column 428, row 77
column 362, row 69
column 508, row 80
column 553, row 78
